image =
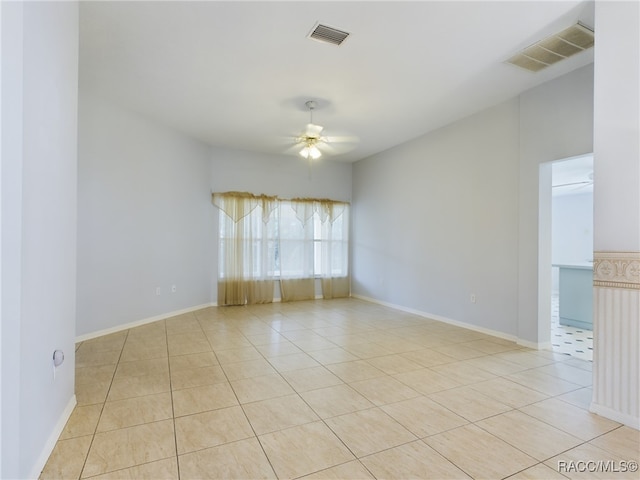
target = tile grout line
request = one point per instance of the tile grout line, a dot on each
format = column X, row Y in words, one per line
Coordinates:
column 104, row 403
column 315, row 412
column 173, row 411
column 308, row 327
column 242, row 407
column 374, row 406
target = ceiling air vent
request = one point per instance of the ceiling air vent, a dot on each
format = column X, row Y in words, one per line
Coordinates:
column 554, row 48
column 324, row 33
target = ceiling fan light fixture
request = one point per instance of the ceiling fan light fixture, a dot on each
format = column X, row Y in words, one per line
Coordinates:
column 310, row 151
column 311, row 136
column 314, row 153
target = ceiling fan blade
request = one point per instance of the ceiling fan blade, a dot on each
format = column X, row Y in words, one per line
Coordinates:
column 286, row 141
column 335, row 148
column 341, row 139
column 574, row 184
column 313, row 131
column 293, row 149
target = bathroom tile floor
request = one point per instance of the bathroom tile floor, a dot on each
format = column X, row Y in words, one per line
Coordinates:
column 337, row 389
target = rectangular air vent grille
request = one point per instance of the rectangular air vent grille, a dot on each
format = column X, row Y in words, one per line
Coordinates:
column 554, row 48
column 324, row 33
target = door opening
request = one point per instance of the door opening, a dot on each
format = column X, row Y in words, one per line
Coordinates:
column 572, row 257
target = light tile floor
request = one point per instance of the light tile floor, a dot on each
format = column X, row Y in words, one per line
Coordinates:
column 335, row 389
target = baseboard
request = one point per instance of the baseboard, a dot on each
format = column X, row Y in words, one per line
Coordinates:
column 53, row 438
column 144, row 321
column 534, row 345
column 628, row 420
column 440, row 318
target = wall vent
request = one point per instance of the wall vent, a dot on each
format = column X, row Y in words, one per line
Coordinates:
column 326, row 34
column 554, row 48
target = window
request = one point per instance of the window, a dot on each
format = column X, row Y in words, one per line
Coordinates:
column 331, row 245
column 263, row 238
column 250, row 243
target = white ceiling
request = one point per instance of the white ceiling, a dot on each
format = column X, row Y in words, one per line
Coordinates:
column 237, row 74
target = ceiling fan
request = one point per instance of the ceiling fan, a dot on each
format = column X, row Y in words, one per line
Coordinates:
column 311, row 143
column 311, row 137
column 574, row 185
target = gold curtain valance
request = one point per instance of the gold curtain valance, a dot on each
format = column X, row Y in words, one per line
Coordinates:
column 327, row 209
column 304, row 207
column 319, row 200
column 238, row 205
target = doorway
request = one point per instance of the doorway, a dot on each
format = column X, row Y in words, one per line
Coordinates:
column 572, row 257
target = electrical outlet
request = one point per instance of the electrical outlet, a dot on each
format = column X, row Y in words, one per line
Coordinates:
column 473, row 298
column 158, row 291
column 173, row 289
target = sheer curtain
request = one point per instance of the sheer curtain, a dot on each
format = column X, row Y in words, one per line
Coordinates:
column 296, row 250
column 314, row 242
column 334, row 249
column 299, row 241
column 247, row 243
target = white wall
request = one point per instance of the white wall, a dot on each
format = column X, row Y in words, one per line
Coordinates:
column 617, row 127
column 572, row 229
column 39, row 167
column 285, row 176
column 144, row 218
column 556, row 122
column 616, row 370
column 435, row 220
column 455, row 212
column 11, row 236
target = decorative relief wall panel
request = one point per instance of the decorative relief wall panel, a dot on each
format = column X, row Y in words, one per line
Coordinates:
column 617, row 269
column 616, row 367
